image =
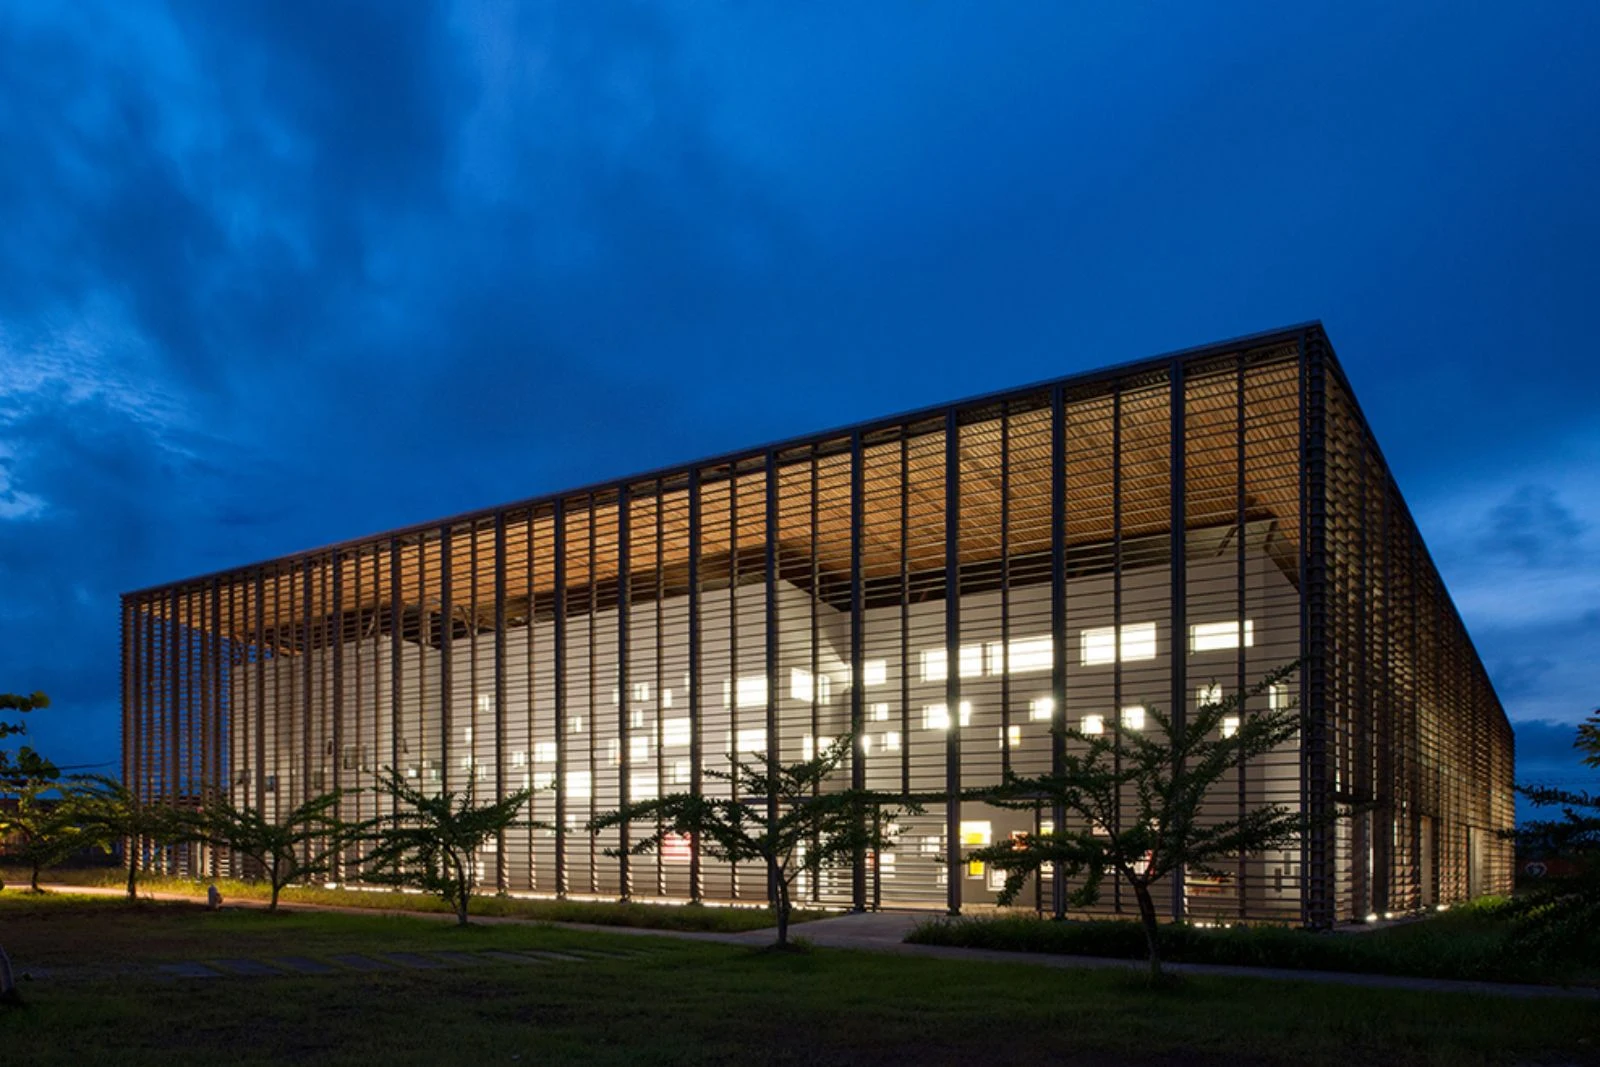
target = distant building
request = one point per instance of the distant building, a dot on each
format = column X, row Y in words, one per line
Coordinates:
column 950, row 584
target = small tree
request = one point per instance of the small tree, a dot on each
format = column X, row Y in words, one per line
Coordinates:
column 295, row 847
column 46, row 829
column 431, row 842
column 1134, row 808
column 815, row 828
column 112, row 812
column 1562, row 915
column 13, row 702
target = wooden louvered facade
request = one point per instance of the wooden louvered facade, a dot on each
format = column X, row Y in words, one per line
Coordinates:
column 618, row 640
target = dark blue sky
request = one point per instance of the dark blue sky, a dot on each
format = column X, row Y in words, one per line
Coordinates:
column 274, row 274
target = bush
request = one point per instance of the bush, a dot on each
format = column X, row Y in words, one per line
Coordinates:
column 1470, row 942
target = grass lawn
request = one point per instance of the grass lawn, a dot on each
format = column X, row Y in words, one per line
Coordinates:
column 1468, row 942
column 604, row 913
column 686, row 1002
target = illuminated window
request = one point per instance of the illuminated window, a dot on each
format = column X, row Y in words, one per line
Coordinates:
column 752, row 741
column 519, row 759
column 579, row 785
column 937, row 716
column 1230, row 725
column 666, row 698
column 1099, row 645
column 643, row 786
column 575, row 724
column 1208, row 694
column 811, row 748
column 800, row 685
column 1042, row 709
column 880, row 713
column 682, row 770
column 971, row 661
column 676, row 848
column 866, row 744
column 1215, row 636
column 675, row 733
column 975, row 868
column 875, row 672
column 485, row 703
column 935, row 665
column 753, row 691
column 544, row 752
column 1277, row 696
column 641, row 691
column 1093, row 724
column 1010, row 736
column 1133, row 717
column 1029, row 655
column 639, row 747
column 977, row 833
column 891, row 741
column 613, row 751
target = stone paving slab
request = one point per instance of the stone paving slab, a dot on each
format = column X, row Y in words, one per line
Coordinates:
column 460, row 959
column 187, row 970
column 302, row 965
column 415, row 960
column 562, row 956
column 249, row 968
column 508, row 957
column 357, row 962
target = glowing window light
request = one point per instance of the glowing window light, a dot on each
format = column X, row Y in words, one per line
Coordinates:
column 937, row 716
column 880, row 713
column 1230, row 725
column 875, row 672
column 800, row 685
column 1208, row 695
column 1217, row 636
column 1093, row 725
column 579, row 785
column 891, row 741
column 1042, row 709
column 1133, row 717
column 675, row 733
column 544, row 752
column 977, row 832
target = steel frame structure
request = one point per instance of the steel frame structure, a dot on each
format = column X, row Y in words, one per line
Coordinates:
column 940, row 583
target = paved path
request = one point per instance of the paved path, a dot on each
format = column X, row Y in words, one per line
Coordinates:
column 884, row 931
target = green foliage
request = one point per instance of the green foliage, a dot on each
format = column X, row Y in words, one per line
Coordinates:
column 1133, row 801
column 431, row 842
column 814, row 826
column 45, row 826
column 109, row 811
column 299, row 845
column 1560, row 918
column 24, row 767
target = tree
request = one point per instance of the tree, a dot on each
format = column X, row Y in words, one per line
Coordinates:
column 111, row 812
column 815, row 827
column 25, row 765
column 294, row 847
column 1133, row 803
column 1561, row 916
column 25, row 778
column 44, row 829
column 431, row 842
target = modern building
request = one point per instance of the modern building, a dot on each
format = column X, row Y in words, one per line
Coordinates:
column 949, row 584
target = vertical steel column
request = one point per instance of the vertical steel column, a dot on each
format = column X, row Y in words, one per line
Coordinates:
column 500, row 874
column 307, row 702
column 624, row 701
column 129, row 715
column 1241, row 584
column 1005, row 590
column 336, row 623
column 952, row 648
column 770, row 624
column 1317, row 903
column 1178, row 543
column 174, row 727
column 559, row 678
column 905, row 611
column 733, row 647
column 221, row 765
column 261, row 687
column 397, row 625
column 695, row 765
column 1116, row 619
column 1058, row 625
column 447, row 627
column 661, row 666
column 591, row 603
column 858, row 687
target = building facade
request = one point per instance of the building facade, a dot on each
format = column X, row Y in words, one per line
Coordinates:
column 949, row 586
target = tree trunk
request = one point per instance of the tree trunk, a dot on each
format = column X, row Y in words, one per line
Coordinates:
column 463, row 899
column 133, row 872
column 1147, row 918
column 272, row 905
column 33, row 882
column 783, row 913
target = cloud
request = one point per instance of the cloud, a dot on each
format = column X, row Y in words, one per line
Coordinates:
column 1532, row 527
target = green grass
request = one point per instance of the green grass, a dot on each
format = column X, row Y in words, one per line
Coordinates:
column 601, row 913
column 1468, row 942
column 687, row 1002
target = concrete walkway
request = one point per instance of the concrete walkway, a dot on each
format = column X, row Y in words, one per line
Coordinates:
column 885, row 931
